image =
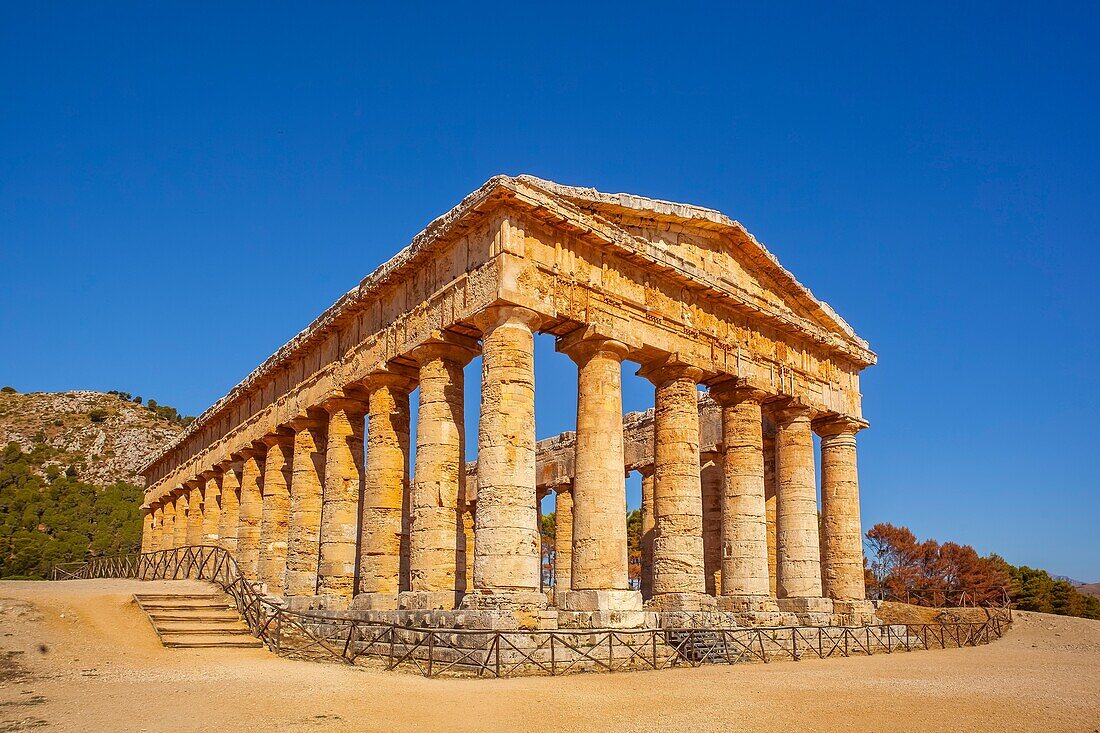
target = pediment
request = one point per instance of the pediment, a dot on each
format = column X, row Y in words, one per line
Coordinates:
column 709, row 248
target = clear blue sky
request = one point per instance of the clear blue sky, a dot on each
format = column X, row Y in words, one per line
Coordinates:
column 183, row 187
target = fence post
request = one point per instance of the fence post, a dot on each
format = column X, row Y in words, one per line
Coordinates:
column 431, row 651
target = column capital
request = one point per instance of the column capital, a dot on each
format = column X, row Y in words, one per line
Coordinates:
column 668, row 369
column 504, row 314
column 253, row 450
column 307, row 422
column 829, row 425
column 208, row 474
column 787, row 409
column 563, row 487
column 342, row 401
column 444, row 349
column 582, row 345
column 277, row 439
column 395, row 378
column 735, row 391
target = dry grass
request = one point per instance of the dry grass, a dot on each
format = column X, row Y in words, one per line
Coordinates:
column 92, row 662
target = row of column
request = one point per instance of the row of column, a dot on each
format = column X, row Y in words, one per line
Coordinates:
column 306, row 516
column 591, row 545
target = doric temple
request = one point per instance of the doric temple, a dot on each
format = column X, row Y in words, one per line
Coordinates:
column 303, row 470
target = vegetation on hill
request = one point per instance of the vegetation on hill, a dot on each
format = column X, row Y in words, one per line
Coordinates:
column 69, row 482
column 108, row 437
column 53, row 516
column 926, row 572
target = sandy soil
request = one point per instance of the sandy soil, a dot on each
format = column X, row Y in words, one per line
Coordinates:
column 79, row 656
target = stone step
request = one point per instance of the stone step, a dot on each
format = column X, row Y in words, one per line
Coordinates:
column 202, row 627
column 193, row 614
column 200, row 641
column 196, row 620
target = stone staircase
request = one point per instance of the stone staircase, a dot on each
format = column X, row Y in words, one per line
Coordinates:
column 196, row 620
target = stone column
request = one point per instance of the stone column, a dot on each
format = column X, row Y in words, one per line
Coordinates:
column 745, row 582
column 340, row 508
column 211, row 507
column 506, row 563
column 436, row 579
column 769, row 498
column 251, row 512
column 158, row 528
column 600, row 579
column 194, row 512
column 385, row 490
column 304, row 521
column 563, row 540
column 146, row 528
column 842, row 561
column 649, row 523
column 230, row 504
column 168, row 529
column 276, row 508
column 798, row 552
column 711, row 477
column 182, row 498
column 678, row 566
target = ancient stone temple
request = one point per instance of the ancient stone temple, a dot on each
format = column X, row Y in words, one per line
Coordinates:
column 303, row 470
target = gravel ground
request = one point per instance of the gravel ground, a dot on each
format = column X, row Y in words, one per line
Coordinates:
column 80, row 655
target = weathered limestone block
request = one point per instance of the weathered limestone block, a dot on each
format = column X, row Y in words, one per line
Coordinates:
column 599, row 562
column 148, row 527
column 678, row 566
column 168, row 526
column 506, row 561
column 194, row 512
column 563, row 540
column 798, row 559
column 230, row 477
column 158, row 529
column 649, row 524
column 304, row 520
column 211, row 508
column 745, row 581
column 711, row 478
column 842, row 560
column 340, row 509
column 383, row 527
column 437, row 562
column 251, row 512
column 769, row 503
column 276, row 510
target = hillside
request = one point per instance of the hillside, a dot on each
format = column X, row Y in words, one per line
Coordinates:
column 104, row 438
column 1092, row 589
column 69, row 485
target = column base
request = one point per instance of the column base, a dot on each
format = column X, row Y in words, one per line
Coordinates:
column 525, row 608
column 752, row 604
column 376, row 601
column 855, row 612
column 599, row 600
column 681, row 602
column 305, row 603
column 805, row 604
column 439, row 600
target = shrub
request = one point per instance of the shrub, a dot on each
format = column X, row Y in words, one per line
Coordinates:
column 8, row 390
column 97, row 415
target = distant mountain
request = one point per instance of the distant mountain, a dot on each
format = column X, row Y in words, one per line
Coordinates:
column 101, row 437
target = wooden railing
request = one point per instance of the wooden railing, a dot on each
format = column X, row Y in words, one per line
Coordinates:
column 345, row 638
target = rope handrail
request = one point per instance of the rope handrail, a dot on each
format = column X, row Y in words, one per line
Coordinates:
column 434, row 651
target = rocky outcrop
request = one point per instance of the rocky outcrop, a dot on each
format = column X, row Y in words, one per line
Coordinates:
column 104, row 438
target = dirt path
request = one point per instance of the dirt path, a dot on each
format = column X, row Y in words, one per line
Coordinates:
column 80, row 656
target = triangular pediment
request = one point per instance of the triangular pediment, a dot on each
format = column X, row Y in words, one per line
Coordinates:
column 710, row 248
